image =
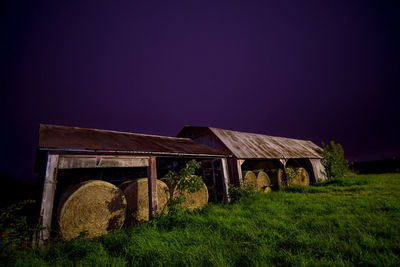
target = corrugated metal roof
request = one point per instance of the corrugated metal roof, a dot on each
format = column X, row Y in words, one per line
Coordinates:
column 249, row 145
column 253, row 146
column 75, row 138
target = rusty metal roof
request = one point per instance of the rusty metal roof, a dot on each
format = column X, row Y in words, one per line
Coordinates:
column 254, row 146
column 54, row 137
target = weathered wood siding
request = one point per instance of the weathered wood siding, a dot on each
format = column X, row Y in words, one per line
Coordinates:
column 319, row 170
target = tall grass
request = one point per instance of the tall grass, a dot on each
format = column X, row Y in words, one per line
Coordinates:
column 346, row 221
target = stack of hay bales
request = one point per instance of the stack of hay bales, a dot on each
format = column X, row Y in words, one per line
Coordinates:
column 258, row 180
column 297, row 176
column 137, row 197
column 93, row 206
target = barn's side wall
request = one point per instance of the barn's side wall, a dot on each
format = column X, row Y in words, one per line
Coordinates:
column 319, row 170
column 204, row 136
column 233, row 171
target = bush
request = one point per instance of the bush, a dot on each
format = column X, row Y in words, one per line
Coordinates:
column 237, row 192
column 335, row 163
column 185, row 180
column 15, row 231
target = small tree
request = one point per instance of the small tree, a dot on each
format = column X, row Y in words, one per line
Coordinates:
column 335, row 163
column 184, row 180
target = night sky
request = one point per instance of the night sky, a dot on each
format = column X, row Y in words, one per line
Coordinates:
column 316, row 70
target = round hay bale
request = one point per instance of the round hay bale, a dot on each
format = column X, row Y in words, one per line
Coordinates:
column 250, row 179
column 297, row 176
column 94, row 206
column 165, row 180
column 263, row 182
column 125, row 184
column 195, row 200
column 137, row 197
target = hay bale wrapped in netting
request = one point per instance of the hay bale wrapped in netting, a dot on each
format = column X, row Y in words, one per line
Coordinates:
column 93, row 206
column 297, row 176
column 137, row 197
column 249, row 180
column 263, row 182
column 195, row 200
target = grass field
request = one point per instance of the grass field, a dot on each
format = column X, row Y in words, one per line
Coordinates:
column 348, row 221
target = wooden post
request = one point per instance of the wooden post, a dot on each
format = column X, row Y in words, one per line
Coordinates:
column 225, row 179
column 215, row 195
column 239, row 169
column 152, row 180
column 49, row 188
column 284, row 161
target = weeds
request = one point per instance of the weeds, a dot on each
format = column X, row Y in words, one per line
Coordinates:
column 15, row 232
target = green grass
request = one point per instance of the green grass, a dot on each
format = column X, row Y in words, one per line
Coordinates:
column 348, row 221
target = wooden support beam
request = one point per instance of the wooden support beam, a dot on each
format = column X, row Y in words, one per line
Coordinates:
column 49, row 188
column 239, row 169
column 215, row 195
column 284, row 161
column 152, row 180
column 81, row 161
column 225, row 178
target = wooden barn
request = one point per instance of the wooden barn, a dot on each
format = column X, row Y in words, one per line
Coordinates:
column 68, row 156
column 73, row 159
column 274, row 155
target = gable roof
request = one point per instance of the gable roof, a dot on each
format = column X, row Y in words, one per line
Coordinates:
column 253, row 146
column 54, row 137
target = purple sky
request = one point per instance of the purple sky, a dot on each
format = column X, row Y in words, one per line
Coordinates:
column 320, row 70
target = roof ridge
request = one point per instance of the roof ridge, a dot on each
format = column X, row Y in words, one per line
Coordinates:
column 273, row 136
column 113, row 131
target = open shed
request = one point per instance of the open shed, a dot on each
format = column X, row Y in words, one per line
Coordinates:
column 252, row 150
column 68, row 155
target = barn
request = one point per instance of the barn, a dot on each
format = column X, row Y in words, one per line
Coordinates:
column 71, row 156
column 68, row 156
column 253, row 151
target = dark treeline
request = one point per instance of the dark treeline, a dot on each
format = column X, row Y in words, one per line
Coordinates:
column 15, row 190
column 377, row 166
